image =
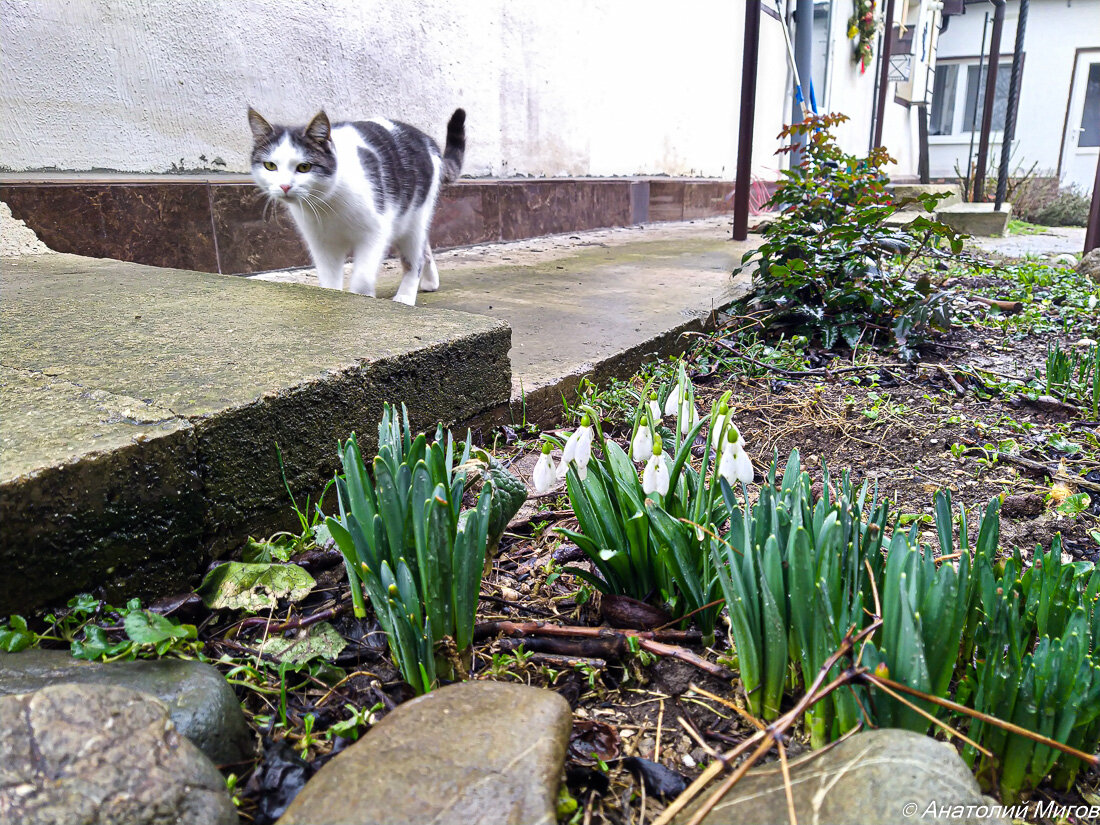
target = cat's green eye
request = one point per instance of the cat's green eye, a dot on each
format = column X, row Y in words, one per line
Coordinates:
column 270, row 166
column 304, row 167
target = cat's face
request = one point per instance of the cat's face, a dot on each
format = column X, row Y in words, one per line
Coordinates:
column 292, row 164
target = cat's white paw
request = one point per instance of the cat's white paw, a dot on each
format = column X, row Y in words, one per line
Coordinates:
column 427, row 287
column 410, row 300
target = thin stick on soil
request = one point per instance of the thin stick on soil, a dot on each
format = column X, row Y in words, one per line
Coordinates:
column 786, row 782
column 484, row 630
column 938, row 722
column 731, row 705
column 880, row 681
column 955, row 385
column 660, row 725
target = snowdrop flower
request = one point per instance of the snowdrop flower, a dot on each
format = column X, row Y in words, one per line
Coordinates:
column 578, row 449
column 641, row 448
column 719, row 425
column 735, row 464
column 672, row 403
column 654, row 408
column 544, row 474
column 689, row 416
column 655, row 475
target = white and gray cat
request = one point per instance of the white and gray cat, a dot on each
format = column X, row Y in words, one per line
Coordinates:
column 360, row 187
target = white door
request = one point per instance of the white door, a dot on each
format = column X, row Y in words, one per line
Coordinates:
column 1082, row 142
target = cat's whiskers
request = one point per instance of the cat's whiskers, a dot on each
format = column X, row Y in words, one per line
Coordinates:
column 313, row 202
column 269, row 204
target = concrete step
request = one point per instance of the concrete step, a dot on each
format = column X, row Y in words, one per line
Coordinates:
column 978, row 219
column 900, row 191
column 142, row 406
column 595, row 304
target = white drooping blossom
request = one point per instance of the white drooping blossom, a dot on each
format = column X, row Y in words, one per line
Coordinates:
column 641, row 447
column 654, row 408
column 689, row 416
column 578, row 450
column 719, row 425
column 672, row 403
column 734, row 464
column 655, row 474
column 544, row 474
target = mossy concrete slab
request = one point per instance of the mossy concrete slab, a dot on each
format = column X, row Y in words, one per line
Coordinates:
column 601, row 312
column 594, row 304
column 142, row 408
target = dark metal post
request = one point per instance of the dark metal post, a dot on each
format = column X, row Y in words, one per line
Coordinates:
column 1013, row 104
column 990, row 97
column 922, row 137
column 884, row 72
column 747, row 121
column 1092, row 232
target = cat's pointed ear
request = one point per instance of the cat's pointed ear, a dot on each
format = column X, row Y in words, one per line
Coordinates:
column 319, row 129
column 261, row 129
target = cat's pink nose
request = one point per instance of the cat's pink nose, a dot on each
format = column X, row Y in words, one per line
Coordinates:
column 285, row 187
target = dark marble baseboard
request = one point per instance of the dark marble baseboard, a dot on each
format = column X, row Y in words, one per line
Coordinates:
column 219, row 223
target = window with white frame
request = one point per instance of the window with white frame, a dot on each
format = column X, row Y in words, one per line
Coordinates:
column 958, row 97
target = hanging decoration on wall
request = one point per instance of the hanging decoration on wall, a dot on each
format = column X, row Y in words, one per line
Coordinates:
column 862, row 26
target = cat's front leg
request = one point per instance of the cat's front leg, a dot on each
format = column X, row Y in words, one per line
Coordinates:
column 364, row 268
column 429, row 276
column 330, row 267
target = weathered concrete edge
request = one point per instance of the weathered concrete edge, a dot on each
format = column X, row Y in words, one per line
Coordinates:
column 187, row 495
column 451, row 383
column 542, row 404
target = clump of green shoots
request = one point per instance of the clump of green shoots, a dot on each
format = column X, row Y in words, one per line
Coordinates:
column 647, row 530
column 405, row 537
column 1074, row 376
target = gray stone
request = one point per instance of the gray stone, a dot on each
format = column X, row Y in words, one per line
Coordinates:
column 166, row 393
column 202, row 705
column 880, row 777
column 94, row 754
column 479, row 753
column 1090, row 264
column 979, row 219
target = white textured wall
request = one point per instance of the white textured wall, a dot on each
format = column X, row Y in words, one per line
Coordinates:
column 572, row 87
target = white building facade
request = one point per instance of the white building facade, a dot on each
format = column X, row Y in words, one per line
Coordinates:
column 1058, row 120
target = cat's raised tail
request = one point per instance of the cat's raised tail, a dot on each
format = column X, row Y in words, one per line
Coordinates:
column 455, row 149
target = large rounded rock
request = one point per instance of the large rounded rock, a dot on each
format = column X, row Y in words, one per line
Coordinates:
column 96, row 754
column 479, row 753
column 202, row 705
column 1090, row 265
column 881, row 777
